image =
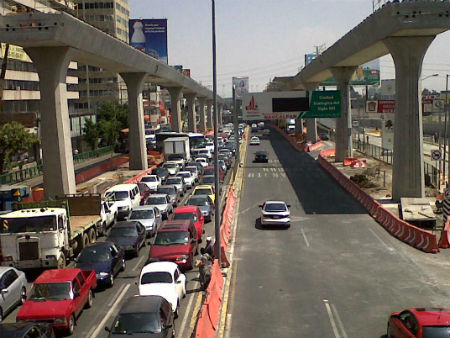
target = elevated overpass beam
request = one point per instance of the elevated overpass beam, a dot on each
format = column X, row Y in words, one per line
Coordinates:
column 344, row 123
column 175, row 96
column 136, row 135
column 311, row 124
column 408, row 172
column 201, row 105
column 192, row 125
column 51, row 64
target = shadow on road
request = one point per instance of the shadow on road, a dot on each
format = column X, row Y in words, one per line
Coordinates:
column 259, row 226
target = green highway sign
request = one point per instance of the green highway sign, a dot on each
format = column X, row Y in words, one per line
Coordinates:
column 324, row 104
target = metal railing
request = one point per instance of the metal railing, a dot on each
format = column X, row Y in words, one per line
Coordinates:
column 21, row 175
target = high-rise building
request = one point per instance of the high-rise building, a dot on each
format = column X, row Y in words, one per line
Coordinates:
column 96, row 84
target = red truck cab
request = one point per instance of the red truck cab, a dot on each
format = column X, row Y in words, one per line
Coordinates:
column 58, row 296
column 193, row 213
column 175, row 241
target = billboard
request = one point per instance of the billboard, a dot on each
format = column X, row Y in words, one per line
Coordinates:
column 15, row 52
column 150, row 36
column 380, row 106
column 366, row 75
column 309, row 58
column 240, row 85
column 274, row 105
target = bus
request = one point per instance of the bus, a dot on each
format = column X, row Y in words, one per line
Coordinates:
column 196, row 140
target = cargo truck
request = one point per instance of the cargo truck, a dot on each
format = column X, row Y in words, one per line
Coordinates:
column 177, row 149
column 45, row 234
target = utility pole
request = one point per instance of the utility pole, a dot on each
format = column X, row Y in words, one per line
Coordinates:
column 446, row 141
column 236, row 130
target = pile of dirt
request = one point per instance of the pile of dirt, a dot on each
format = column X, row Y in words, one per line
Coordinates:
column 362, row 181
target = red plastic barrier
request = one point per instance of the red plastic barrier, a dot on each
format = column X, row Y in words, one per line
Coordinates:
column 315, row 146
column 349, row 160
column 444, row 242
column 137, row 178
column 328, row 152
column 408, row 233
column 99, row 169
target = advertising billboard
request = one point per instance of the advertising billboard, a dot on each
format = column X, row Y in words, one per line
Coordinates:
column 380, row 106
column 150, row 36
column 241, row 86
column 366, row 75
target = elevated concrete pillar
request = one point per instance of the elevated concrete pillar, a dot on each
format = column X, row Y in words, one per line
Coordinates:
column 136, row 135
column 175, row 96
column 219, row 115
column 209, row 120
column 201, row 104
column 311, row 124
column 344, row 123
column 407, row 170
column 51, row 64
column 192, row 124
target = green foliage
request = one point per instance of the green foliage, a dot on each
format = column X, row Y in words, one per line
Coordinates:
column 91, row 133
column 112, row 117
column 14, row 140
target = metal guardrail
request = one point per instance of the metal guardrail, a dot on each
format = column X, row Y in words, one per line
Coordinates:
column 37, row 170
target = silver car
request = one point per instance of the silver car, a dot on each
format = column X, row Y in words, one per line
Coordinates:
column 149, row 216
column 194, row 172
column 172, row 167
column 172, row 191
column 178, row 182
column 205, row 204
column 162, row 202
column 12, row 288
column 275, row 213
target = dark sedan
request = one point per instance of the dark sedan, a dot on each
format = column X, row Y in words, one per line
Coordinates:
column 205, row 204
column 26, row 330
column 261, row 156
column 103, row 257
column 144, row 316
column 162, row 173
column 129, row 235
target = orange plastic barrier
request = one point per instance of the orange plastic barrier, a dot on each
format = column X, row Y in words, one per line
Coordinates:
column 137, row 178
column 209, row 313
column 444, row 242
column 408, row 233
column 328, row 152
column 225, row 227
column 349, row 160
column 315, row 146
column 99, row 169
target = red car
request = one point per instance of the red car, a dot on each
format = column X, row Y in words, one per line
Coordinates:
column 58, row 296
column 419, row 323
column 210, row 171
column 193, row 213
column 175, row 241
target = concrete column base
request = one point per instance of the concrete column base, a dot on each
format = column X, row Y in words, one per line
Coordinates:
column 407, row 169
column 51, row 64
column 344, row 123
column 192, row 124
column 136, row 135
column 175, row 96
column 201, row 104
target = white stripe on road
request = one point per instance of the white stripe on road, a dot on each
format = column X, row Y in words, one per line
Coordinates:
column 304, row 236
column 336, row 324
column 138, row 263
column 330, row 315
column 109, row 313
column 339, row 321
column 113, row 299
column 186, row 314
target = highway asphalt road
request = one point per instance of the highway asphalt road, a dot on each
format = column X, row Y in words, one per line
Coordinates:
column 334, row 273
column 107, row 302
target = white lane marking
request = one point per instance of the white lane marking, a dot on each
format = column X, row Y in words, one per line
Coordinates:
column 139, row 263
column 275, row 175
column 382, row 242
column 114, row 299
column 330, row 315
column 265, row 169
column 304, row 236
column 187, row 313
column 259, row 175
column 281, row 170
column 109, row 313
column 339, row 321
column 283, row 175
column 250, row 175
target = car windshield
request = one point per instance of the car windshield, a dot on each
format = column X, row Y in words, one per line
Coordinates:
column 275, row 207
column 202, row 192
column 171, row 238
column 191, row 169
column 123, row 231
column 160, row 171
column 156, row 277
column 129, row 323
column 185, row 215
column 51, row 291
column 435, row 331
column 174, row 180
column 198, row 201
column 148, row 179
column 118, row 195
column 142, row 187
column 204, row 151
column 156, row 200
column 171, row 165
column 28, row 224
column 207, row 180
column 209, row 172
column 96, row 254
column 168, row 191
column 185, row 175
column 142, row 214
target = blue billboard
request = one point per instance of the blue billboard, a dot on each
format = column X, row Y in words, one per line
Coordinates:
column 150, row 36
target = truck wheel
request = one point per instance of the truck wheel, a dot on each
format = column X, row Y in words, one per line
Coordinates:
column 62, row 261
column 92, row 236
column 71, row 325
column 90, row 300
column 84, row 241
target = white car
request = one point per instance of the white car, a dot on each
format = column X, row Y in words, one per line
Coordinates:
column 203, row 161
column 210, row 146
column 13, row 289
column 152, row 181
column 194, row 172
column 275, row 213
column 163, row 279
column 172, row 167
column 255, row 141
column 188, row 179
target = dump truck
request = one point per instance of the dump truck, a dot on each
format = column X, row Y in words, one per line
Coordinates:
column 46, row 234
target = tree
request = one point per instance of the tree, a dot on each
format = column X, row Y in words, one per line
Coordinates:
column 91, row 133
column 14, row 140
column 112, row 117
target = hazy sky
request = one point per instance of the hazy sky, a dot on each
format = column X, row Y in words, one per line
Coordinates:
column 267, row 38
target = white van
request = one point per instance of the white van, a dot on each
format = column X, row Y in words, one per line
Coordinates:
column 126, row 197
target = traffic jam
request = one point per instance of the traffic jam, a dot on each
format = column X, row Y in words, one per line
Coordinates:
column 167, row 210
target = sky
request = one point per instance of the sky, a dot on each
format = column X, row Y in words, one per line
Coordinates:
column 262, row 39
